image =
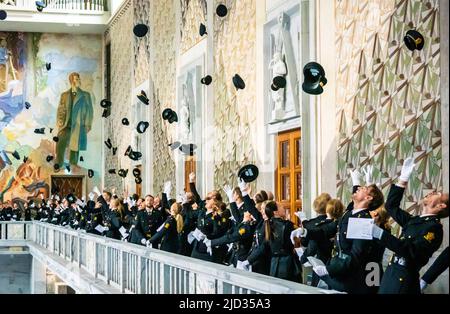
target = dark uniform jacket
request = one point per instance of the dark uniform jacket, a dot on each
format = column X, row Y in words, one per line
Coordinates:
column 259, row 254
column 438, row 267
column 207, row 223
column 141, row 229
column 420, row 238
column 168, row 236
column 154, row 221
column 241, row 237
column 16, row 214
column 319, row 247
column 284, row 263
column 347, row 268
column 113, row 222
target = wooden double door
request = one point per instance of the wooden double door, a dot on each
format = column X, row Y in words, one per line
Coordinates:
column 64, row 185
column 288, row 176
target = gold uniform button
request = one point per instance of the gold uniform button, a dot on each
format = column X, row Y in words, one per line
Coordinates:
column 401, row 279
column 409, row 237
column 390, row 264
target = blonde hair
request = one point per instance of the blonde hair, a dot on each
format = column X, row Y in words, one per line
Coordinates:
column 176, row 207
column 383, row 218
column 335, row 209
column 320, row 203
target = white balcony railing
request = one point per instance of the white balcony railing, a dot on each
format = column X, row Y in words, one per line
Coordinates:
column 135, row 269
column 59, row 5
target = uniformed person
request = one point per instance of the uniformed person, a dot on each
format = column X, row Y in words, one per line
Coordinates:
column 154, row 219
column 421, row 236
column 27, row 212
column 207, row 226
column 112, row 220
column 169, row 234
column 16, row 213
column 140, row 232
column 95, row 219
column 241, row 237
column 346, row 270
column 284, row 262
column 319, row 242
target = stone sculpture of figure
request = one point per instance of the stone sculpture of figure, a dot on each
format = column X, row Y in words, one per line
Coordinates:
column 278, row 67
column 185, row 123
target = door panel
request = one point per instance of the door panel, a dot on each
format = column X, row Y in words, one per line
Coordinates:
column 67, row 185
column 190, row 165
column 288, row 173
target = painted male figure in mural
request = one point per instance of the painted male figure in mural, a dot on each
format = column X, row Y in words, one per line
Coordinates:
column 73, row 120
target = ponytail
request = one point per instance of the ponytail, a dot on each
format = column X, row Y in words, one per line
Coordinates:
column 180, row 223
column 269, row 208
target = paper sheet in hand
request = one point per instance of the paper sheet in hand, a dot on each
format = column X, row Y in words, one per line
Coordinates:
column 301, row 215
column 191, row 237
column 360, row 228
column 315, row 261
column 123, row 232
column 100, row 228
column 242, row 267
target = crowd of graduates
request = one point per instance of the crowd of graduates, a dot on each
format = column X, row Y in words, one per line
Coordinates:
column 249, row 231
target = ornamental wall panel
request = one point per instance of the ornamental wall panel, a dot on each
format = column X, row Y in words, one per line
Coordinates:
column 234, row 110
column 388, row 98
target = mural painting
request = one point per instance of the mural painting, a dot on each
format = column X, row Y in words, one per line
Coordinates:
column 50, row 123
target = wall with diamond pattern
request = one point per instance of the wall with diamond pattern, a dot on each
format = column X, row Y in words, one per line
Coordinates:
column 121, row 39
column 163, row 76
column 193, row 12
column 234, row 110
column 388, row 98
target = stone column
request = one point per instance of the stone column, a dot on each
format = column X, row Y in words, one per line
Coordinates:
column 38, row 277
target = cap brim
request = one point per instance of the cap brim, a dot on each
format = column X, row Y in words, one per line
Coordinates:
column 307, row 88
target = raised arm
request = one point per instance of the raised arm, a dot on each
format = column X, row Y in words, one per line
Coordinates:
column 438, row 267
column 192, row 187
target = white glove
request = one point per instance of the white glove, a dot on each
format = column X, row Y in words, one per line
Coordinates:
column 377, row 232
column 105, row 228
column 229, row 192
column 245, row 263
column 300, row 252
column 207, row 243
column 96, row 191
column 423, row 285
column 167, row 188
column 407, row 169
column 192, row 177
column 182, row 198
column 368, row 173
column 298, row 233
column 91, row 196
column 320, row 271
column 242, row 186
column 307, row 264
column 144, row 242
column 356, row 177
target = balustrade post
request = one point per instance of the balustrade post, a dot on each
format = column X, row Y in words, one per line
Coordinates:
column 122, row 271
